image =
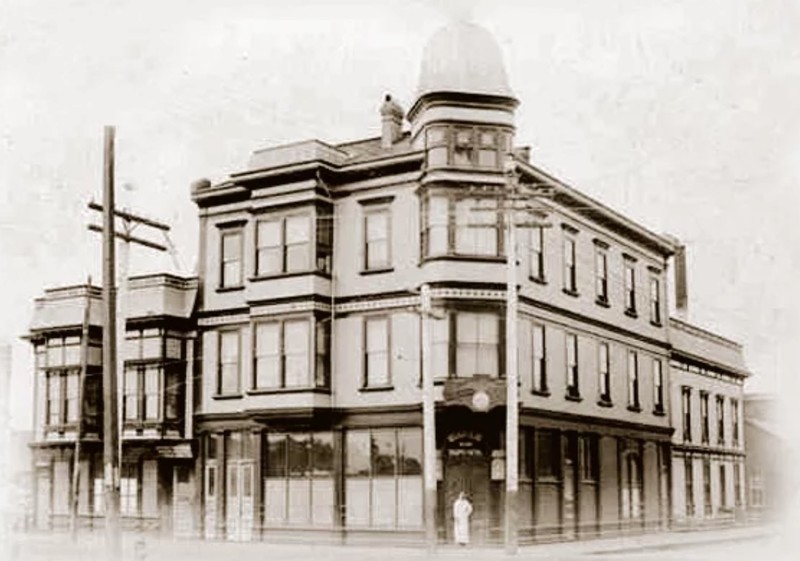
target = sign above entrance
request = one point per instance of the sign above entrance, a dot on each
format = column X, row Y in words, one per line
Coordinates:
column 479, row 393
column 180, row 451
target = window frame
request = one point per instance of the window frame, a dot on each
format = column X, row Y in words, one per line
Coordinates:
column 283, row 247
column 474, row 145
column 220, row 391
column 633, row 381
column 572, row 366
column 313, row 356
column 536, row 254
column 539, row 361
column 604, row 372
column 601, row 273
column 720, row 405
column 658, row 386
column 655, row 300
column 569, row 255
column 686, row 412
column 366, row 381
column 705, row 427
column 629, row 285
column 231, row 231
column 371, row 210
column 458, row 343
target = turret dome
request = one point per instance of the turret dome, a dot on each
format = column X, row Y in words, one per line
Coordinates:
column 463, row 57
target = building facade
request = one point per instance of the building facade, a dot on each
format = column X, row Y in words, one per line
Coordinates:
column 156, row 456
column 288, row 375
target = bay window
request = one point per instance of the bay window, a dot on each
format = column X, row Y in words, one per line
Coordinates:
column 466, row 146
column 456, row 225
column 477, row 344
column 283, row 354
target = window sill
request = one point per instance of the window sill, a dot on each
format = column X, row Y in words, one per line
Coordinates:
column 541, row 393
column 570, row 292
column 573, row 397
column 631, row 313
column 227, row 396
column 276, row 276
column 538, row 280
column 656, row 323
column 376, row 389
column 659, row 412
column 230, row 288
column 271, row 391
column 602, row 302
column 376, row 271
column 458, row 257
column 635, row 408
column 604, row 402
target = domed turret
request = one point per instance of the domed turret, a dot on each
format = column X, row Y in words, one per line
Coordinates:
column 463, row 57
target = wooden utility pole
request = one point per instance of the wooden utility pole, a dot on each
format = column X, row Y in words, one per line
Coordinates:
column 428, row 421
column 512, row 378
column 76, row 461
column 110, row 420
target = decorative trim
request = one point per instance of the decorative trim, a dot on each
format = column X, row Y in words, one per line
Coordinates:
column 629, row 257
column 573, row 293
column 384, row 200
column 224, row 318
column 376, row 388
column 376, row 271
column 227, row 396
column 604, row 402
column 273, row 391
column 602, row 302
column 654, row 270
column 259, row 278
column 569, row 228
column 600, row 243
column 533, row 413
column 230, row 288
column 233, row 223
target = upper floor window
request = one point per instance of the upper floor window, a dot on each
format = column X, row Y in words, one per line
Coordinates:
column 633, row 380
column 440, row 347
column 230, row 258
column 142, row 393
column 539, row 358
column 62, row 396
column 536, row 245
column 704, row 417
column 658, row 386
column 152, row 344
column 734, row 422
column 601, row 274
column 284, row 244
column 63, row 351
column 377, row 352
column 655, row 301
column 229, row 363
column 720, row 420
column 572, row 366
column 630, row 286
column 604, row 373
column 477, row 344
column 570, row 273
column 466, row 146
column 453, row 225
column 377, row 238
column 686, row 412
column 282, row 354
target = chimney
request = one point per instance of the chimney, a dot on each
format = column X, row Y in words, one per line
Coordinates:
column 392, row 122
column 681, row 289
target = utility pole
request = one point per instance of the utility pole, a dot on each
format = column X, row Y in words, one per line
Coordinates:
column 110, row 421
column 112, row 365
column 428, row 420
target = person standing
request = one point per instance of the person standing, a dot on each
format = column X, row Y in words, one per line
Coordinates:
column 462, row 510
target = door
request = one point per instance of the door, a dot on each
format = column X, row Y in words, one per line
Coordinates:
column 182, row 514
column 468, row 473
column 42, row 499
column 239, row 501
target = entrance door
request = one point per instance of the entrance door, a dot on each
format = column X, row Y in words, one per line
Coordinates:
column 42, row 499
column 182, row 512
column 468, row 471
column 239, row 501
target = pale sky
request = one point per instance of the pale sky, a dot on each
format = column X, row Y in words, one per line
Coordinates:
column 679, row 114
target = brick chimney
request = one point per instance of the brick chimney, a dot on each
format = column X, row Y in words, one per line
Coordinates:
column 681, row 288
column 392, row 122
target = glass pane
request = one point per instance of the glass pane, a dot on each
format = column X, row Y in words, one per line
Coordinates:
column 299, row 447
column 298, row 229
column 275, row 491
column 276, row 455
column 488, row 360
column 357, row 495
column 174, row 348
column 436, row 135
column 298, row 257
column 410, row 502
column 377, row 254
column 377, row 225
column 151, row 347
column 270, row 261
column 297, row 371
column 322, row 493
column 231, row 246
column 383, row 502
column 269, row 233
column 72, row 354
column 410, row 441
column 489, row 329
column 268, row 371
column 299, row 501
column 377, row 368
column 467, row 328
column 322, row 454
column 229, row 346
column 55, row 354
column 437, row 156
column 487, row 158
column 383, row 452
column 357, row 457
column 377, row 334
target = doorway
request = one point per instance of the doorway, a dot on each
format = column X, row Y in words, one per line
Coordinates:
column 239, row 501
column 468, row 471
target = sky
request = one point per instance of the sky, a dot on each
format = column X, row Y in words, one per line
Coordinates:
column 679, row 114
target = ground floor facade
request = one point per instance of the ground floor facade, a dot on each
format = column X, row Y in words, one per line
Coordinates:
column 156, row 487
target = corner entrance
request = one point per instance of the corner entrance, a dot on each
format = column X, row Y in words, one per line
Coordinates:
column 467, row 471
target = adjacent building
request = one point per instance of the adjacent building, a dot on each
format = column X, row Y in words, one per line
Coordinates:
column 280, row 392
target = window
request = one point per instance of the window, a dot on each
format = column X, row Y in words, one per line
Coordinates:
column 737, row 485
column 756, row 487
column 228, row 369
column 129, row 490
column 734, row 423
column 283, row 245
column 377, row 238
column 322, row 369
column 601, row 274
column 63, row 351
column 536, row 245
column 62, row 397
column 282, row 354
column 539, row 359
column 298, row 479
column 604, row 372
column 548, row 454
column 704, row 417
column 688, row 469
column 383, row 478
column 570, row 277
column 377, row 352
column 142, row 393
column 630, row 286
column 707, row 507
column 459, row 226
column 440, row 347
column 658, row 386
column 720, row 420
column 477, row 344
column 633, row 380
column 465, row 146
column 723, row 487
column 655, row 301
column 587, row 450
column 231, row 258
column 686, row 413
column 632, row 486
column 572, row 366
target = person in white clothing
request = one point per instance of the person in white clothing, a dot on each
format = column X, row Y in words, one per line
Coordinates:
column 462, row 510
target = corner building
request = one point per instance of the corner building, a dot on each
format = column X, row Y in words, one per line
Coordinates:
column 308, row 402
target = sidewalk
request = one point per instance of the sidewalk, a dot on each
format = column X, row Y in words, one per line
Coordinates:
column 60, row 547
